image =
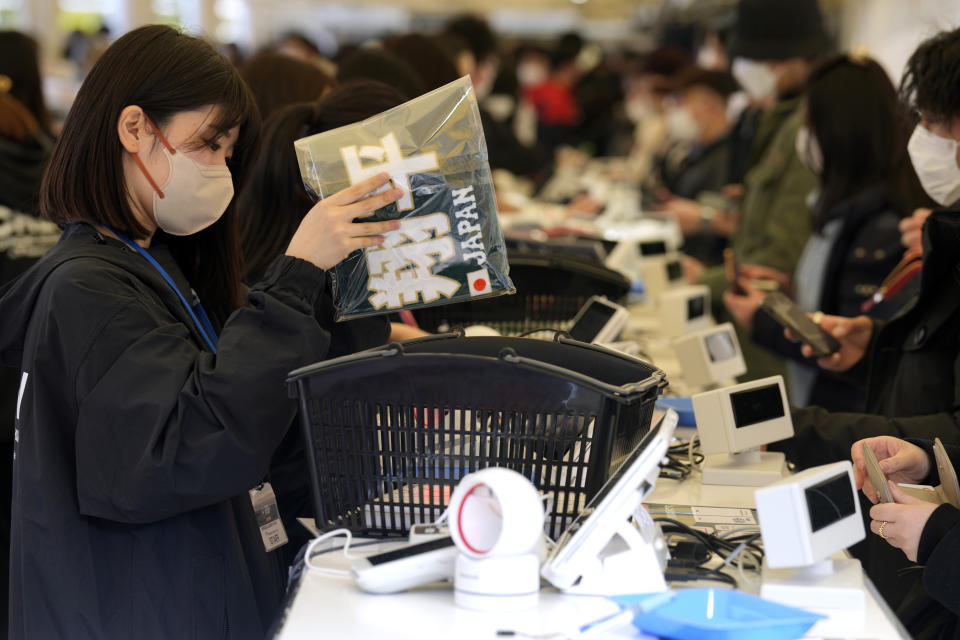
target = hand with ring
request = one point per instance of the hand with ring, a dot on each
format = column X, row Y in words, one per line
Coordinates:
column 901, row 523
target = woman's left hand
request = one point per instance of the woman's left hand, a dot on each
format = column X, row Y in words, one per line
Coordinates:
column 905, row 520
column 743, row 307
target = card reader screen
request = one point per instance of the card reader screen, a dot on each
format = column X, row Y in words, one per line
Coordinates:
column 830, row 501
column 593, row 319
column 412, row 550
column 720, row 346
column 696, row 307
column 756, row 405
column 653, row 248
column 674, row 271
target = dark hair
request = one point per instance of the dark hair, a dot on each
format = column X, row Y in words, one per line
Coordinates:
column 720, row 82
column 274, row 200
column 164, row 72
column 19, row 62
column 302, row 40
column 277, row 80
column 665, row 61
column 477, row 34
column 427, row 58
column 376, row 64
column 852, row 110
column 16, row 121
column 931, row 81
column 566, row 50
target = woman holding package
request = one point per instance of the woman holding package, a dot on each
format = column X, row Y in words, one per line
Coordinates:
column 152, row 394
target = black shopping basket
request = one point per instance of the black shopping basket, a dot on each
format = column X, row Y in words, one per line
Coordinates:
column 551, row 288
column 390, row 431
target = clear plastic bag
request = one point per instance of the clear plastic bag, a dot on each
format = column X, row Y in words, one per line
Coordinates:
column 449, row 247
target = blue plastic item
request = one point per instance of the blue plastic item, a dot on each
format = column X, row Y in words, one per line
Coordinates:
column 683, row 407
column 720, row 614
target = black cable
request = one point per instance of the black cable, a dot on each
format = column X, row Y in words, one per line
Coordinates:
column 721, row 546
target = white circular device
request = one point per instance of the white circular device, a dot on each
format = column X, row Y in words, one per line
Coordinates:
column 496, row 520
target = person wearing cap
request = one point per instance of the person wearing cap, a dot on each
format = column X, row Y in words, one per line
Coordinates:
column 774, row 45
column 696, row 166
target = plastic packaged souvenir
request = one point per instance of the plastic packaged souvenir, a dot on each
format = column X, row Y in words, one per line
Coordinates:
column 449, row 246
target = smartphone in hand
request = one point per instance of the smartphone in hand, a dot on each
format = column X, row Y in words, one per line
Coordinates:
column 732, row 269
column 786, row 312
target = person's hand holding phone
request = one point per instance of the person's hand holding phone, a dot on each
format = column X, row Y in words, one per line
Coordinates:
column 900, row 461
column 758, row 272
column 744, row 305
column 853, row 334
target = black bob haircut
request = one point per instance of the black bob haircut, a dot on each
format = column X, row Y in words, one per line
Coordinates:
column 852, row 110
column 164, row 72
column 931, row 81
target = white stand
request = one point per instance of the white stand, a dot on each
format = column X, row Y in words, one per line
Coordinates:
column 500, row 583
column 633, row 561
column 753, row 468
column 831, row 584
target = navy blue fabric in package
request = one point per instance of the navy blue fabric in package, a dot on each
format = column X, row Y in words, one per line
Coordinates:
column 449, row 246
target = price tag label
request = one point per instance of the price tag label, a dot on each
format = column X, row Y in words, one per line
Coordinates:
column 268, row 517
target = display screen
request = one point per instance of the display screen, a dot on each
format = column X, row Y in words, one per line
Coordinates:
column 696, row 307
column 674, row 270
column 412, row 550
column 653, row 248
column 830, row 501
column 756, row 405
column 720, row 346
column 591, row 321
column 611, row 482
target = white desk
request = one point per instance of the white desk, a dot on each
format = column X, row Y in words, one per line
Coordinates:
column 330, row 606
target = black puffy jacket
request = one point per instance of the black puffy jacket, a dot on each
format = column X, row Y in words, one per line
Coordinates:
column 136, row 445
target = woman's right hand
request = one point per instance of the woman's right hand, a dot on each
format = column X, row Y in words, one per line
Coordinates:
column 853, row 334
column 328, row 233
column 900, row 461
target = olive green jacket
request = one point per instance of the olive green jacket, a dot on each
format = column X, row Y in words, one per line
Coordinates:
column 774, row 222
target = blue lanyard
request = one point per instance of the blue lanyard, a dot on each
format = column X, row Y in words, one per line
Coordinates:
column 197, row 313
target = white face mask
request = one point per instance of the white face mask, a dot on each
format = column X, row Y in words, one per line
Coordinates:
column 756, row 78
column 708, row 57
column 808, row 148
column 638, row 109
column 194, row 196
column 935, row 161
column 681, row 125
column 531, row 74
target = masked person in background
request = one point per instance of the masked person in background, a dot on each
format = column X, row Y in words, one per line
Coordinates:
column 142, row 420
column 774, row 45
column 853, row 139
column 646, row 87
column 908, row 364
column 697, row 165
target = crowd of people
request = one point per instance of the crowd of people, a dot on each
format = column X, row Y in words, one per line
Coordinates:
column 135, row 422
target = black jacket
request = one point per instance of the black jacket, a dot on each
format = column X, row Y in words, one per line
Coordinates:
column 865, row 251
column 21, row 168
column 913, row 389
column 136, row 446
column 690, row 172
column 931, row 608
column 911, row 367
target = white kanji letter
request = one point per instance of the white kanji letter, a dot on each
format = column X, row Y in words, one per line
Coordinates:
column 387, row 158
column 401, row 268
